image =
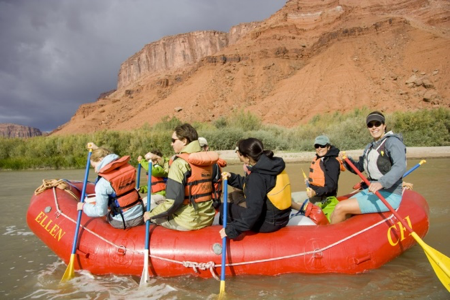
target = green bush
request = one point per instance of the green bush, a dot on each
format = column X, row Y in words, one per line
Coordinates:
column 346, row 131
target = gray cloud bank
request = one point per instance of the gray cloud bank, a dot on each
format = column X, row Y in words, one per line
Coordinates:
column 56, row 55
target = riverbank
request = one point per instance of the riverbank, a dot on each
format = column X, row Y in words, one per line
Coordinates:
column 412, row 152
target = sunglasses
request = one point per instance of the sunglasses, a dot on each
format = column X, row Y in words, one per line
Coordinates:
column 174, row 140
column 320, row 146
column 376, row 124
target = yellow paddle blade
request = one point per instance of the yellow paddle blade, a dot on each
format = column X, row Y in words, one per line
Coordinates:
column 70, row 272
column 439, row 262
column 222, row 289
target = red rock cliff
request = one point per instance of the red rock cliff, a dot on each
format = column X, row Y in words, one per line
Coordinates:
column 310, row 57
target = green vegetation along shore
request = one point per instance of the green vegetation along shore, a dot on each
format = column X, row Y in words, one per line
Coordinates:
column 424, row 128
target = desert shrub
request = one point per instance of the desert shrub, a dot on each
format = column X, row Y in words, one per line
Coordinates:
column 346, row 131
column 167, row 124
column 245, row 121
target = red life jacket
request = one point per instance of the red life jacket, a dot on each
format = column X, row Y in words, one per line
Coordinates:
column 317, row 171
column 122, row 177
column 198, row 181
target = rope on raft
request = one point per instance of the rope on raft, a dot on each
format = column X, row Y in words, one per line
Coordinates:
column 211, row 265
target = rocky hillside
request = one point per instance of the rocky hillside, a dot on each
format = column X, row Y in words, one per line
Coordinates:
column 18, row 131
column 310, row 57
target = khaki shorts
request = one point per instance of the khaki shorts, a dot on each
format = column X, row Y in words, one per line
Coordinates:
column 129, row 223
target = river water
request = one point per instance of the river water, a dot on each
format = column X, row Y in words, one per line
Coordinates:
column 30, row 270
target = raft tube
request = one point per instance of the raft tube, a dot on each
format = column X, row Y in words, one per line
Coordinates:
column 359, row 244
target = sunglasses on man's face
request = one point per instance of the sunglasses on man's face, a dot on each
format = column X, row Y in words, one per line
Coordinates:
column 174, row 140
column 375, row 123
column 320, row 146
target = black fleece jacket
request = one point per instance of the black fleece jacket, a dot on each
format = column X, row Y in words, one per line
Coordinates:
column 332, row 170
column 256, row 185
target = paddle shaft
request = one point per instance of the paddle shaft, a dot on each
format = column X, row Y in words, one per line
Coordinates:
column 138, row 177
column 413, row 168
column 83, row 195
column 224, row 221
column 70, row 273
column 306, row 179
column 145, row 275
column 224, row 240
column 348, row 161
column 149, row 198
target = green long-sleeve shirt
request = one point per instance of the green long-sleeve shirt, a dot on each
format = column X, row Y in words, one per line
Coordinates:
column 157, row 171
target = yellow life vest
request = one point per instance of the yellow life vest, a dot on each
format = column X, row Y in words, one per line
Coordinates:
column 280, row 195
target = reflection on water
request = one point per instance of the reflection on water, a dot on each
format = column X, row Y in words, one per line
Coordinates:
column 30, row 270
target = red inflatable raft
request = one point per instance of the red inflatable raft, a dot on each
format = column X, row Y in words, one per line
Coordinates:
column 357, row 245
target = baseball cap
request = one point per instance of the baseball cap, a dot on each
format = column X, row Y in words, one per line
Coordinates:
column 322, row 140
column 202, row 141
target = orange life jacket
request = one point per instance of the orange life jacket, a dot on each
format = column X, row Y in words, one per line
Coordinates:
column 317, row 171
column 158, row 184
column 122, row 177
column 198, row 181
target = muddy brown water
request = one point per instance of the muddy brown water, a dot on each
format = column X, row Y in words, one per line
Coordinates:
column 30, row 270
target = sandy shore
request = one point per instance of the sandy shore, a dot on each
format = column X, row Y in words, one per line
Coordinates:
column 412, row 152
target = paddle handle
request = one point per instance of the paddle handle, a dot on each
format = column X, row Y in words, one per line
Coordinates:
column 348, row 161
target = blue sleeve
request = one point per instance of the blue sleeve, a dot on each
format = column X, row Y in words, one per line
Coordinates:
column 102, row 191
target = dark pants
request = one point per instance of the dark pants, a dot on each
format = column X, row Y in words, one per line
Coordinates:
column 236, row 212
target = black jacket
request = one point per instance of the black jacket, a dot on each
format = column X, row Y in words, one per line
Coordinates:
column 256, row 185
column 332, row 170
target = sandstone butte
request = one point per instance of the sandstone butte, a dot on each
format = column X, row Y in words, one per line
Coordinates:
column 308, row 58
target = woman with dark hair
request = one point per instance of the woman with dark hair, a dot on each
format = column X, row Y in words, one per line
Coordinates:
column 263, row 212
column 384, row 161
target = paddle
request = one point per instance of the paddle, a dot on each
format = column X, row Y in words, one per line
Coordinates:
column 138, row 177
column 145, row 278
column 224, row 240
column 439, row 262
column 70, row 273
column 301, row 211
column 306, row 179
column 413, row 168
column 358, row 185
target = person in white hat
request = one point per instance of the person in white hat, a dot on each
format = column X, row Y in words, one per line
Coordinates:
column 203, row 143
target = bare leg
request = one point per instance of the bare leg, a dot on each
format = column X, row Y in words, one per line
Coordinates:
column 345, row 209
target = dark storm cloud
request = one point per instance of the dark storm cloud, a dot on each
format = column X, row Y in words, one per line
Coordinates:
column 56, row 55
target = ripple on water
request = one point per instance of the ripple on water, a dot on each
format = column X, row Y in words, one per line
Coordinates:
column 88, row 286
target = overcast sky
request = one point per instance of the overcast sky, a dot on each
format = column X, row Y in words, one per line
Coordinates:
column 58, row 54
